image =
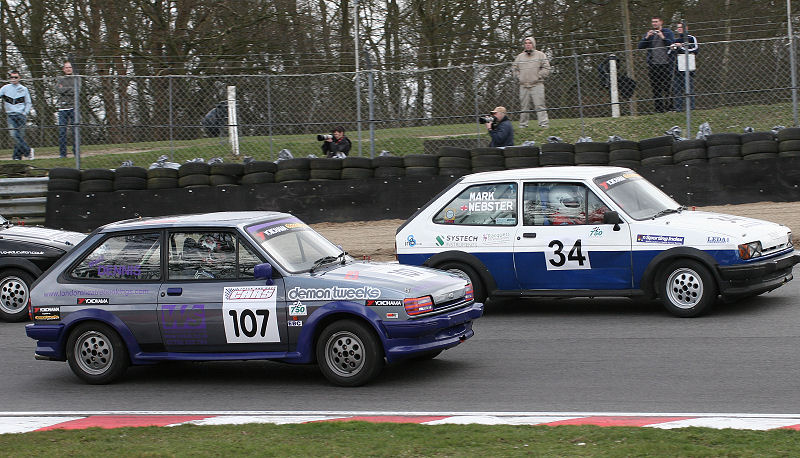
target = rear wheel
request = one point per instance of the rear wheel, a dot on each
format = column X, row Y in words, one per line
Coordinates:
column 467, row 273
column 687, row 288
column 349, row 353
column 14, row 293
column 96, row 353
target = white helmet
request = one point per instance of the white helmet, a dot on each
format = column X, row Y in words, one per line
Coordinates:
column 566, row 200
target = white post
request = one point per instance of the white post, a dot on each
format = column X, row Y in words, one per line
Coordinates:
column 612, row 74
column 233, row 123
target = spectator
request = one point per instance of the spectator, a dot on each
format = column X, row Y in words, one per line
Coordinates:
column 501, row 130
column 531, row 67
column 17, row 104
column 659, row 62
column 65, row 87
column 683, row 43
column 338, row 143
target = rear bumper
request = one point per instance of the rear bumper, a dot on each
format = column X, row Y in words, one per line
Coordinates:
column 48, row 340
column 757, row 277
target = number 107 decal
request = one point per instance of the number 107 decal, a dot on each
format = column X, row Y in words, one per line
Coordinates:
column 560, row 256
column 249, row 314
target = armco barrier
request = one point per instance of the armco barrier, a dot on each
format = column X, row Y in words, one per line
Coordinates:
column 398, row 197
column 23, row 199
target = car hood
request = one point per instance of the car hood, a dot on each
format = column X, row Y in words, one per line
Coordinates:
column 736, row 229
column 65, row 240
column 410, row 281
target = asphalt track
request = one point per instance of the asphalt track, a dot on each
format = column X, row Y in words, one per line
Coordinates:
column 575, row 355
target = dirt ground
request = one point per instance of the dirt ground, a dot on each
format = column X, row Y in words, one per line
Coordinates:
column 375, row 239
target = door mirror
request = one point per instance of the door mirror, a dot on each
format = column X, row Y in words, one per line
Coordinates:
column 263, row 271
column 612, row 217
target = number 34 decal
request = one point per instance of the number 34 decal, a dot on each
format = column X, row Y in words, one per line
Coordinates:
column 558, row 256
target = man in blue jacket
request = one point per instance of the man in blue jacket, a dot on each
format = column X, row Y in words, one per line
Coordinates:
column 501, row 130
column 657, row 41
column 17, row 103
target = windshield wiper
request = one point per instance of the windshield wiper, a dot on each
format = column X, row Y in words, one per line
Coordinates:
column 342, row 255
column 667, row 211
column 322, row 261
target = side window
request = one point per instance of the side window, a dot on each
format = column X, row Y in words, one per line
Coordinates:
column 482, row 205
column 248, row 260
column 560, row 204
column 123, row 258
column 202, row 255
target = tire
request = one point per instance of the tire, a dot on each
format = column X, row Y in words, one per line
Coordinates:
column 522, row 162
column 96, row 353
column 349, row 353
column 356, row 163
column 162, row 172
column 452, row 151
column 688, row 144
column 129, row 183
column 686, row 288
column 298, row 163
column 467, row 273
column 162, row 183
column 487, row 169
column 656, row 142
column 193, row 180
column 689, row 154
column 292, row 175
column 355, row 173
column 759, row 146
column 624, row 155
column 63, row 184
column 15, row 291
column 97, row 174
column 790, row 133
column 193, row 168
column 133, row 172
column 759, row 156
column 260, row 166
column 789, row 145
column 789, row 154
column 692, row 162
column 591, row 158
column 623, row 144
column 488, row 161
column 556, row 158
column 316, row 174
column 627, row 164
column 65, row 173
column 521, row 151
column 454, row 172
column 591, row 147
column 557, row 148
column 757, row 137
column 422, row 171
column 222, row 180
column 724, row 151
column 657, row 160
column 653, row 152
column 390, row 161
column 96, row 186
column 455, row 162
column 258, row 178
column 231, row 169
column 723, row 139
column 387, row 172
column 420, row 160
column 485, row 151
column 325, row 164
column 724, row 160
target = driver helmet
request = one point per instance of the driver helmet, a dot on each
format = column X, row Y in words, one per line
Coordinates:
column 565, row 200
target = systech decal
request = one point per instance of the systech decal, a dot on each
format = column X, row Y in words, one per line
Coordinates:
column 334, row 293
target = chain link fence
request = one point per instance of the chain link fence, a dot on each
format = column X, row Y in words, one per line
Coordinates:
column 184, row 117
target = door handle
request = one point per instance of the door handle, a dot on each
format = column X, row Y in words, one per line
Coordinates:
column 529, row 235
column 174, row 291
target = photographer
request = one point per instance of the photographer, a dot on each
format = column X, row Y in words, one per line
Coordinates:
column 335, row 143
column 659, row 63
column 500, row 129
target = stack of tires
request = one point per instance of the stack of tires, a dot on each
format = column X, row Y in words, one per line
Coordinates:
column 454, row 162
column 591, row 153
column 724, row 148
column 789, row 142
column 325, row 169
column 295, row 169
column 356, row 168
column 64, row 179
column 130, row 178
column 257, row 172
column 96, row 180
column 194, row 174
column 487, row 159
column 521, row 157
column 656, row 151
column 689, row 152
column 759, row 145
column 419, row 165
column 557, row 154
column 624, row 153
column 162, row 178
column 225, row 174
column 388, row 166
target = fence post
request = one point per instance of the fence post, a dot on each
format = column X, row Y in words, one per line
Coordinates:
column 578, row 83
column 687, row 94
column 171, row 124
column 792, row 60
column 269, row 109
column 76, row 129
column 475, row 92
column 612, row 79
column 371, row 77
column 233, row 123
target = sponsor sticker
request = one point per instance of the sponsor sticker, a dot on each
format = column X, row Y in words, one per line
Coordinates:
column 351, row 275
column 392, row 315
column 411, row 241
column 298, row 309
column 665, row 239
column 596, row 232
column 503, row 238
column 718, row 240
column 449, row 215
column 384, row 302
column 184, row 324
column 49, row 313
column 249, row 314
column 295, row 324
column 116, row 271
column 93, row 301
column 456, row 240
column 21, row 252
column 334, row 293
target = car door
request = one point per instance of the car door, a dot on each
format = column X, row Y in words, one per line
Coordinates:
column 563, row 243
column 211, row 302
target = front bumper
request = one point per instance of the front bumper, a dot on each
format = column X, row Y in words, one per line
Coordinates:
column 756, row 277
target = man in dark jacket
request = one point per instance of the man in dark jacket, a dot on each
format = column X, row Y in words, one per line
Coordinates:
column 501, row 130
column 65, row 87
column 657, row 41
column 337, row 143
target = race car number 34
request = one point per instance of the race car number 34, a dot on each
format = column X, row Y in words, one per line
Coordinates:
column 249, row 314
column 566, row 255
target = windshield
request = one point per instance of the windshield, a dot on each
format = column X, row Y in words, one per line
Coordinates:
column 293, row 245
column 635, row 195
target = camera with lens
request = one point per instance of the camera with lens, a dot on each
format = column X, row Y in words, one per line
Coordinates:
column 485, row 119
column 323, row 138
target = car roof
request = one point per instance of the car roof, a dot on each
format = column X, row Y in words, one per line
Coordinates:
column 544, row 173
column 229, row 219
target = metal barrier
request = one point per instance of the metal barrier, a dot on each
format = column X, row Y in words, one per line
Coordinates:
column 23, row 200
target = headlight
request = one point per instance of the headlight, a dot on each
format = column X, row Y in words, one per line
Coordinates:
column 750, row 250
column 789, row 242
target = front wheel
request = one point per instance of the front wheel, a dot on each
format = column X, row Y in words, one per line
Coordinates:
column 349, row 353
column 96, row 353
column 14, row 293
column 687, row 288
column 467, row 273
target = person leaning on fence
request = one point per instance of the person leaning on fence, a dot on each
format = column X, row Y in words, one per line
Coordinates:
column 65, row 88
column 337, row 143
column 17, row 104
column 531, row 67
column 659, row 62
column 501, row 130
column 684, row 43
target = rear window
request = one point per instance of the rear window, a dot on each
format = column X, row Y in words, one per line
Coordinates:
column 128, row 257
column 482, row 205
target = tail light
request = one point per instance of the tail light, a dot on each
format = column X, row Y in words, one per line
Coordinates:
column 418, row 305
column 469, row 292
column 397, row 258
column 30, row 309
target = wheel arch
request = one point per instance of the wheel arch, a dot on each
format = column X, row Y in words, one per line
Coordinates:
column 469, row 259
column 22, row 264
column 329, row 313
column 104, row 317
column 653, row 269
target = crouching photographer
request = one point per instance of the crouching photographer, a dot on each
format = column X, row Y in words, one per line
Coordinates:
column 500, row 128
column 335, row 143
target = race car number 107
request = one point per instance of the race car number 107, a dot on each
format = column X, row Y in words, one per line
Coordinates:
column 249, row 314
